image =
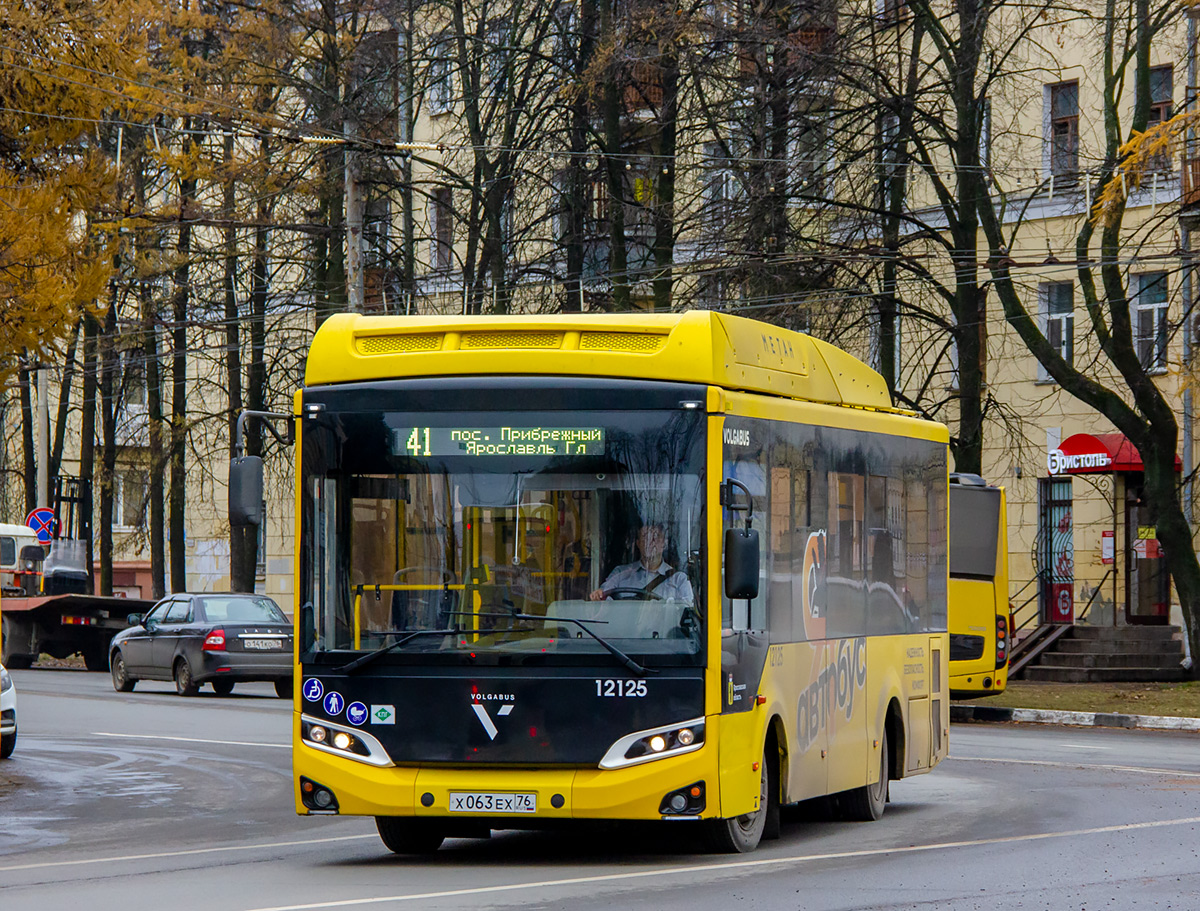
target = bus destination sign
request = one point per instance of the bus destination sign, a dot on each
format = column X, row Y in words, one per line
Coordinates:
column 420, row 442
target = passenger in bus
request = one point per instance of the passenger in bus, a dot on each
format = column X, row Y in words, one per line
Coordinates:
column 651, row 574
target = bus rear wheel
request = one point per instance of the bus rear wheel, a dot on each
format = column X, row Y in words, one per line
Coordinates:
column 742, row 834
column 408, row 836
column 866, row 804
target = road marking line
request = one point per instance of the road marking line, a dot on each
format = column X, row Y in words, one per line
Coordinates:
column 1081, row 765
column 224, row 743
column 190, row 853
column 734, row 865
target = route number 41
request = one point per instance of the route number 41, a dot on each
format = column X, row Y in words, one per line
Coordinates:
column 414, row 441
column 620, row 687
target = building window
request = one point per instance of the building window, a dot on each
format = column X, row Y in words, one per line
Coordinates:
column 811, row 153
column 564, row 38
column 441, row 215
column 377, row 226
column 1058, row 308
column 1150, row 320
column 441, row 81
column 494, row 64
column 132, row 381
column 985, row 137
column 890, row 167
column 893, row 11
column 560, row 213
column 1063, row 134
column 719, row 182
column 1162, row 88
column 130, row 486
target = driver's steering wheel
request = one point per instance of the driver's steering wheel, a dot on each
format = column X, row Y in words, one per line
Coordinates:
column 631, row 594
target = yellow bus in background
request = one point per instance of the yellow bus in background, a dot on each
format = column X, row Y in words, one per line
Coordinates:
column 675, row 567
column 980, row 637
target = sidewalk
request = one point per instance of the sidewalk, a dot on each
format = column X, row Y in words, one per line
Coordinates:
column 960, row 713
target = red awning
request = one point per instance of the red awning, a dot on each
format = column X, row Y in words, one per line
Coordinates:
column 1096, row 453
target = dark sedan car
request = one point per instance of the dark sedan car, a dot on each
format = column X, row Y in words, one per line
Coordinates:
column 198, row 639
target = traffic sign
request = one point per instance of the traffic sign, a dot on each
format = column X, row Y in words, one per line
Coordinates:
column 41, row 520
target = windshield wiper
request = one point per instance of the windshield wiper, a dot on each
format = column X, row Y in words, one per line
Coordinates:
column 608, row 646
column 413, row 634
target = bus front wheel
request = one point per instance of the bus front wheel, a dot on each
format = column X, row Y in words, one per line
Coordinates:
column 742, row 834
column 866, row 804
column 408, row 836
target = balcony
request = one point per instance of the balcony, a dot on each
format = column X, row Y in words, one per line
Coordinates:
column 644, row 91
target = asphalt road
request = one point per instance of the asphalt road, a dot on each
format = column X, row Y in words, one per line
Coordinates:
column 148, row 801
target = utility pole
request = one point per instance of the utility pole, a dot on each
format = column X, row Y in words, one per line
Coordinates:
column 354, row 220
column 43, row 455
column 1188, row 286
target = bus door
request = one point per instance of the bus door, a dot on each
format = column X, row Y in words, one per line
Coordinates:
column 744, row 636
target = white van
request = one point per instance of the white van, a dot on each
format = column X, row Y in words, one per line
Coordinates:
column 12, row 539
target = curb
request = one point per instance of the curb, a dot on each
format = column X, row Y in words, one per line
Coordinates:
column 987, row 713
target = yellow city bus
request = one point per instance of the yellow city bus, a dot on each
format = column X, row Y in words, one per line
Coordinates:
column 682, row 567
column 979, row 612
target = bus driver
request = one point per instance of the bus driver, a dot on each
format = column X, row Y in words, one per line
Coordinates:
column 650, row 575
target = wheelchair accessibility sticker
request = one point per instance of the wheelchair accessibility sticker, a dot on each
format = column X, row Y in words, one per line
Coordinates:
column 313, row 689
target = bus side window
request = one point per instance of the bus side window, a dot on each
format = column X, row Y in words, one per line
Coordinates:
column 885, row 548
column 845, row 585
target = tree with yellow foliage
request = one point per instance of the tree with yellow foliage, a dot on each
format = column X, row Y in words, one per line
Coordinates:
column 61, row 63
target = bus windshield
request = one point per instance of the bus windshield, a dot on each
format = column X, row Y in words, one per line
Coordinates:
column 504, row 538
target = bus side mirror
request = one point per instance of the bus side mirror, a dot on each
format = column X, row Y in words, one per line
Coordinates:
column 245, row 491
column 308, row 632
column 741, row 563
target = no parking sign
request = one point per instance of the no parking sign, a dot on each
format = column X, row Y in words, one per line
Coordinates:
column 41, row 520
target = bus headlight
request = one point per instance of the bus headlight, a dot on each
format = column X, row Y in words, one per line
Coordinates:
column 657, row 743
column 333, row 739
column 351, row 743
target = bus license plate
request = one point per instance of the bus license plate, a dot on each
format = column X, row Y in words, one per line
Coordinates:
column 262, row 643
column 489, row 802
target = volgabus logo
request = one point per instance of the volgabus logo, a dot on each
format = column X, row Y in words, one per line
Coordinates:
column 478, row 706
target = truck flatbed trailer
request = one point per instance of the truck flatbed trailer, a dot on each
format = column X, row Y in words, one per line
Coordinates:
column 61, row 625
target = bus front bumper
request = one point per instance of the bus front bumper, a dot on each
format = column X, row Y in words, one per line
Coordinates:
column 455, row 793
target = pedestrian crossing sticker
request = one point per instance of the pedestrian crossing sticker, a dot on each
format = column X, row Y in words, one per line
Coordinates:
column 383, row 714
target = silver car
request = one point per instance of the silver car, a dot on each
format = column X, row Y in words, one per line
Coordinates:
column 8, row 714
